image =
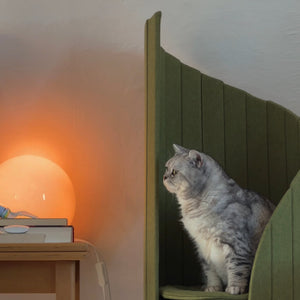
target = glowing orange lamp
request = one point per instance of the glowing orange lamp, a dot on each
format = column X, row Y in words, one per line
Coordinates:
column 36, row 185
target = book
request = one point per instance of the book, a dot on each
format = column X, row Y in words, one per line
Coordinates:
column 40, row 234
column 34, row 222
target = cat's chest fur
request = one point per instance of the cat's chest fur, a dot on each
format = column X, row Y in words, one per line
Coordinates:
column 204, row 232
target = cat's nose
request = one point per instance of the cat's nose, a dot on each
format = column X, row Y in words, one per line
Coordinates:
column 165, row 177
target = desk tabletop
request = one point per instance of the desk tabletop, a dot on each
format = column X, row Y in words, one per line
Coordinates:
column 43, row 251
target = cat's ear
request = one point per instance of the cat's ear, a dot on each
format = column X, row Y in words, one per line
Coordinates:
column 179, row 149
column 196, row 158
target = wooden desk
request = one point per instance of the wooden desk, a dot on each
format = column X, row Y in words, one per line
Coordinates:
column 42, row 268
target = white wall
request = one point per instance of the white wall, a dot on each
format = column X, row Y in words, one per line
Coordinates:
column 72, row 90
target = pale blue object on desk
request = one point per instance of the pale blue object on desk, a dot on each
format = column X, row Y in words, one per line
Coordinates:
column 5, row 212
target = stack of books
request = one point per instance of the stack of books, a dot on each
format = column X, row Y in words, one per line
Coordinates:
column 39, row 230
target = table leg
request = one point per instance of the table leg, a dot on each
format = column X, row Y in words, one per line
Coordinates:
column 77, row 280
column 65, row 285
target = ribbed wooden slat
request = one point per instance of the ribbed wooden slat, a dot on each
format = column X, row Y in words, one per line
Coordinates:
column 174, row 233
column 296, row 235
column 282, row 249
column 292, row 145
column 261, row 280
column 191, row 108
column 235, row 134
column 213, row 118
column 152, row 46
column 161, row 158
column 276, row 151
column 172, row 97
column 192, row 139
column 192, row 274
column 257, row 162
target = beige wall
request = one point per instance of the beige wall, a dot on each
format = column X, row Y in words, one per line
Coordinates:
column 72, row 90
column 68, row 95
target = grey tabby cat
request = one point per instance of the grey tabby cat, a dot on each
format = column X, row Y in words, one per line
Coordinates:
column 224, row 221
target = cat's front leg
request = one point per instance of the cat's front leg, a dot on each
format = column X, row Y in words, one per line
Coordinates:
column 213, row 281
column 238, row 274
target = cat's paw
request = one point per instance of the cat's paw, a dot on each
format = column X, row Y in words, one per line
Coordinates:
column 213, row 289
column 235, row 290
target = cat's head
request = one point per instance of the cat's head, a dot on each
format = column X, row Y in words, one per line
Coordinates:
column 186, row 172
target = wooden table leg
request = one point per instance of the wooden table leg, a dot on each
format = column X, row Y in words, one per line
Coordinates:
column 77, row 280
column 65, row 285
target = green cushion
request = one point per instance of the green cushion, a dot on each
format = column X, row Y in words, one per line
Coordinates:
column 190, row 293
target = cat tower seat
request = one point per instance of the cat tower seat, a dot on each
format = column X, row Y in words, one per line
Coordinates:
column 255, row 141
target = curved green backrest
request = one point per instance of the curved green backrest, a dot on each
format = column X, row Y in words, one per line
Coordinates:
column 256, row 141
column 276, row 269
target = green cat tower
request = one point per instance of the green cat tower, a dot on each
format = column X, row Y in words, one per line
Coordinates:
column 255, row 141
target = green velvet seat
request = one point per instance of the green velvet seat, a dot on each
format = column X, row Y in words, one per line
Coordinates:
column 257, row 143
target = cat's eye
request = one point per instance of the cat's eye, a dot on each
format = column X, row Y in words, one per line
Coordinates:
column 174, row 172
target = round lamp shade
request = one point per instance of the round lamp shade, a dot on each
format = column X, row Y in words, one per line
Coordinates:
column 37, row 185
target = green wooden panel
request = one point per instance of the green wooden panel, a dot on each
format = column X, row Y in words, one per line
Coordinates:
column 276, row 271
column 235, row 134
column 276, row 151
column 152, row 44
column 161, row 160
column 192, row 274
column 192, row 139
column 213, row 118
column 296, row 235
column 257, row 162
column 261, row 280
column 191, row 108
column 292, row 145
column 172, row 97
column 172, row 118
column 282, row 249
column 258, row 143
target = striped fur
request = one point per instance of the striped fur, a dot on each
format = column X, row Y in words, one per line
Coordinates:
column 224, row 221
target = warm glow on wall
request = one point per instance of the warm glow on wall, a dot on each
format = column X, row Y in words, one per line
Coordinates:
column 37, row 185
